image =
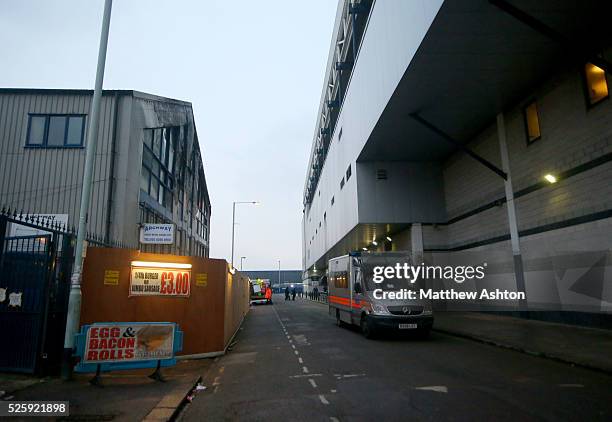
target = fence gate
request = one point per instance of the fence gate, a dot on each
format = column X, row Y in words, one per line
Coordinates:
column 34, row 274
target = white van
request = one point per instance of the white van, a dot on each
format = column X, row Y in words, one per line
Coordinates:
column 352, row 295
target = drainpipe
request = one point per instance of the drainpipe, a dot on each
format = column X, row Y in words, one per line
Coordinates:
column 111, row 183
column 416, row 240
column 512, row 222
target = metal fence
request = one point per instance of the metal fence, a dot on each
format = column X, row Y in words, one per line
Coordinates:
column 34, row 286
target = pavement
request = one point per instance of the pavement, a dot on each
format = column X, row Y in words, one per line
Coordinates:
column 587, row 347
column 291, row 362
column 124, row 396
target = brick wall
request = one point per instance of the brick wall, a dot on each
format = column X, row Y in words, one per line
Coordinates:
column 572, row 134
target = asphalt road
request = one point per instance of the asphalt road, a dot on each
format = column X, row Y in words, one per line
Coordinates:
column 291, row 362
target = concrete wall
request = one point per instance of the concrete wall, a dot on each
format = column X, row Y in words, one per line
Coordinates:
column 411, row 192
column 208, row 317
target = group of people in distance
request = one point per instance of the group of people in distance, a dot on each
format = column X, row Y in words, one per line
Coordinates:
column 291, row 294
column 314, row 294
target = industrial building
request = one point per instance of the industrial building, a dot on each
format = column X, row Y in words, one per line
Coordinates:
column 148, row 165
column 452, row 127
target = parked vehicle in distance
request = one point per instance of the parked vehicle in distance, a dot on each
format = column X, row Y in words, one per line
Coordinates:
column 352, row 299
column 258, row 291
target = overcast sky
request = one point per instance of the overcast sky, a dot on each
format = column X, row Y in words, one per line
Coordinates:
column 253, row 71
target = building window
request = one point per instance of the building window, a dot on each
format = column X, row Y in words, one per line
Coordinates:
column 348, row 173
column 595, row 83
column 532, row 122
column 157, row 173
column 55, row 130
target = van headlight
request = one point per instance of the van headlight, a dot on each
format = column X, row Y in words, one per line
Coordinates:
column 379, row 310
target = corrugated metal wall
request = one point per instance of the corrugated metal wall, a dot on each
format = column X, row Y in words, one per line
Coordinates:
column 45, row 180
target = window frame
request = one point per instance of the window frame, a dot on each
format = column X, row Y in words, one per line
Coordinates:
column 167, row 183
column 585, row 87
column 45, row 142
column 526, row 121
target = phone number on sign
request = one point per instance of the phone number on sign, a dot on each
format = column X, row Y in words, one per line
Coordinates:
column 31, row 408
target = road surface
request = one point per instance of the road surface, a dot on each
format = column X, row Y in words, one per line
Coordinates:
column 291, row 362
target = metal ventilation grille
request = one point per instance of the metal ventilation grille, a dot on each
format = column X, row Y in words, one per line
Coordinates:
column 381, row 174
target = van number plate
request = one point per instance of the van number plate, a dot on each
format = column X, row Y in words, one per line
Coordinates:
column 407, row 326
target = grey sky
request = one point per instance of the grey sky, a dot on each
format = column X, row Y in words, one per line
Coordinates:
column 252, row 69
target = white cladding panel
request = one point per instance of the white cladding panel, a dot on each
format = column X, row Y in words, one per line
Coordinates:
column 394, row 33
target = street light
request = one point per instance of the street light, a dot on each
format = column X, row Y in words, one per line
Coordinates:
column 74, row 299
column 234, row 221
column 241, row 258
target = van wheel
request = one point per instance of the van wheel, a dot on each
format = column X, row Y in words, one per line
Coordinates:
column 339, row 322
column 366, row 328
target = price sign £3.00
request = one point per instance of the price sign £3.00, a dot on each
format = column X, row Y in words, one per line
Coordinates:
column 160, row 282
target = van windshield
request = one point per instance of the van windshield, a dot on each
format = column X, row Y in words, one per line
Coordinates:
column 371, row 263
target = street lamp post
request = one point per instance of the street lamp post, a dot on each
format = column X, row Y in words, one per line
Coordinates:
column 74, row 299
column 234, row 222
column 241, row 259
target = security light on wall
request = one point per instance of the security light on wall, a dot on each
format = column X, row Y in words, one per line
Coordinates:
column 550, row 178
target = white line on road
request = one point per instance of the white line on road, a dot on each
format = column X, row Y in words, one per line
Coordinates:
column 305, row 369
column 323, row 399
column 334, row 419
column 293, row 345
column 300, row 360
column 296, row 352
column 305, row 375
column 338, row 376
column 312, row 382
column 436, row 388
column 216, row 381
column 571, row 385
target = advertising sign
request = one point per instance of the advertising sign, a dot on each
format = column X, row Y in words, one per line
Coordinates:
column 109, row 342
column 160, row 282
column 158, row 234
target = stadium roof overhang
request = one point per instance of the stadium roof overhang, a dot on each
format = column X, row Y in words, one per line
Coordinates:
column 479, row 58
